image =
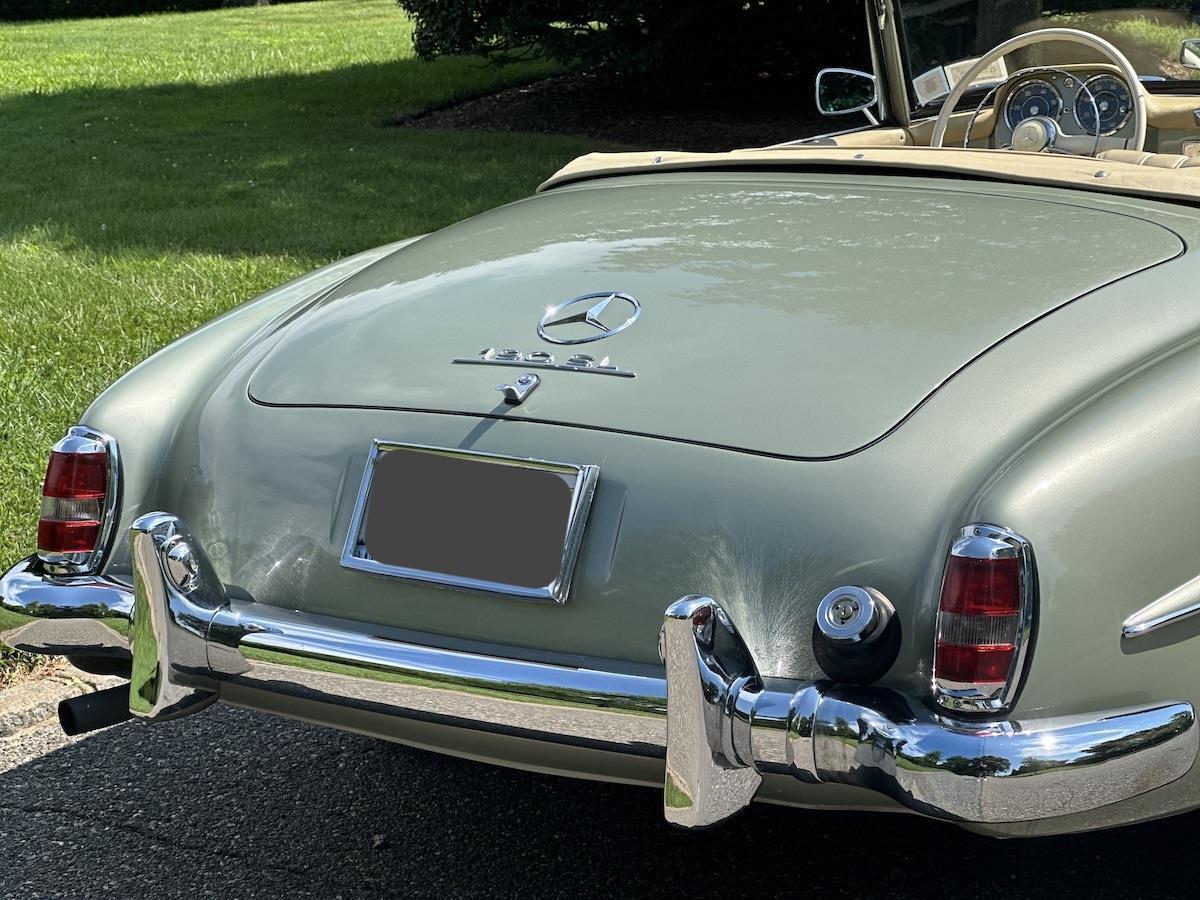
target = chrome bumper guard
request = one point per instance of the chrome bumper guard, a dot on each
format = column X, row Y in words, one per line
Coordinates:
column 719, row 724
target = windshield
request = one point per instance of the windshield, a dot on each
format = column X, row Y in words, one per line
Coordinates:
column 943, row 37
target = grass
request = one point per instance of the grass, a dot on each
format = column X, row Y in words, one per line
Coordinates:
column 158, row 170
column 15, row 667
column 674, row 796
column 1150, row 40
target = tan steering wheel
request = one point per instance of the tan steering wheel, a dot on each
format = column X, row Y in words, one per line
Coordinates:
column 1070, row 35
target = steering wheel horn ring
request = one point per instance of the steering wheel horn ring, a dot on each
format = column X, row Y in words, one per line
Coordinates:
column 1035, row 134
column 1070, row 35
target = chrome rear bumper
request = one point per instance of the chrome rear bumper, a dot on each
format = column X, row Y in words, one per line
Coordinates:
column 80, row 615
column 718, row 724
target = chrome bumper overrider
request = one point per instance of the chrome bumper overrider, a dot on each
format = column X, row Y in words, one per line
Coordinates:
column 720, row 726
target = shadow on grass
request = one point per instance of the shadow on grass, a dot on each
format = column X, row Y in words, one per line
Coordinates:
column 130, row 215
column 230, row 801
column 292, row 165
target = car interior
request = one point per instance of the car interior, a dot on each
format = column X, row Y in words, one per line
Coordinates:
column 1092, row 79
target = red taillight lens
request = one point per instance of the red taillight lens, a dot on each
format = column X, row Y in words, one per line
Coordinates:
column 76, row 476
column 982, row 619
column 55, row 536
column 988, row 664
column 74, row 496
column 982, row 587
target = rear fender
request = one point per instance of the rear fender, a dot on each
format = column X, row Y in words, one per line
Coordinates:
column 1109, row 498
column 144, row 408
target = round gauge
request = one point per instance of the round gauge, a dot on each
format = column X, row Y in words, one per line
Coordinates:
column 1032, row 98
column 1112, row 101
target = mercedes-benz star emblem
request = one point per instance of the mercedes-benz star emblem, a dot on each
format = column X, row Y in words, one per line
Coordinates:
column 591, row 317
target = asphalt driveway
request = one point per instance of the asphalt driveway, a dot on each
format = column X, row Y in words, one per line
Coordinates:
column 235, row 804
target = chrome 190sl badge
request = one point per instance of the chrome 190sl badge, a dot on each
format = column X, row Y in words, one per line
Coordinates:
column 591, row 317
column 540, row 359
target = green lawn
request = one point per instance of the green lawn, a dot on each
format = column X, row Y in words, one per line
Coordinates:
column 1149, row 39
column 157, row 170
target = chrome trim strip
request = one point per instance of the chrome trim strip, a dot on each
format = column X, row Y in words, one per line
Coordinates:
column 983, row 541
column 76, row 438
column 525, row 362
column 1174, row 606
column 558, row 590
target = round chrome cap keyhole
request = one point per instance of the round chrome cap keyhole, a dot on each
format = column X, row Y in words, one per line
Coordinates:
column 856, row 635
column 845, row 609
column 851, row 613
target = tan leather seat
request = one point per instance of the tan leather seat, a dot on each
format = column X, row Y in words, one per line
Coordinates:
column 1154, row 160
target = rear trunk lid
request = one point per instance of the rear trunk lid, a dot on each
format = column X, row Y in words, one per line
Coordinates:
column 791, row 314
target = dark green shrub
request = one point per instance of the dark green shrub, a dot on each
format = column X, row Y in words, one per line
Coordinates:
column 699, row 42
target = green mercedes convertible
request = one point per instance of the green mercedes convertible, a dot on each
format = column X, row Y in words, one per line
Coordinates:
column 858, row 472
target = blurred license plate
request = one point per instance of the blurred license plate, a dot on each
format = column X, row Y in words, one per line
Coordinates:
column 470, row 520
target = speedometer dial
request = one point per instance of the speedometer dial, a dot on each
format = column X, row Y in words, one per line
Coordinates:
column 1112, row 101
column 1032, row 98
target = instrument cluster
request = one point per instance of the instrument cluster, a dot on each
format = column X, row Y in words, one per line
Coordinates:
column 1102, row 101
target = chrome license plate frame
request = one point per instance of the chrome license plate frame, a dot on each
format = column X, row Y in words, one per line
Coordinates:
column 584, row 478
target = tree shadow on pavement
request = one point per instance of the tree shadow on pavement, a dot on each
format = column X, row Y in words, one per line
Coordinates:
column 237, row 803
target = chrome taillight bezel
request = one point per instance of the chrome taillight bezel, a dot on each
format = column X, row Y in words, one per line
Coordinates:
column 982, row 540
column 82, row 439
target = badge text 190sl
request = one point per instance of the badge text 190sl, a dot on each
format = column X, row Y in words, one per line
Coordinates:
column 540, row 359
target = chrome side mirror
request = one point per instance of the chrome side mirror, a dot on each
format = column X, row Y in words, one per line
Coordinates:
column 1189, row 54
column 844, row 91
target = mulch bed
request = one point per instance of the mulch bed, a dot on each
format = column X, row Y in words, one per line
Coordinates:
column 610, row 112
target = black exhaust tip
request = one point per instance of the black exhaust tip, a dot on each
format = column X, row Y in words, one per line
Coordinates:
column 79, row 715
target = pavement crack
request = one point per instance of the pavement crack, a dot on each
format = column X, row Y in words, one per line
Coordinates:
column 157, row 837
